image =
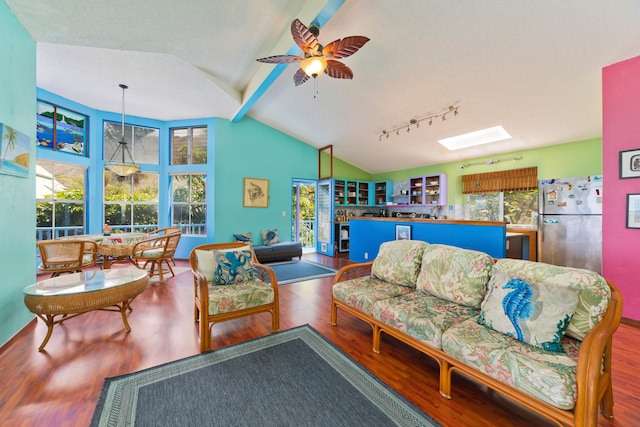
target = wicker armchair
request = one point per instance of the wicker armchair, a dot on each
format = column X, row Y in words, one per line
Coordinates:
column 66, row 256
column 229, row 283
column 155, row 251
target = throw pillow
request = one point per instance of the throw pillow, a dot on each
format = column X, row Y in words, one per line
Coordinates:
column 207, row 261
column 233, row 267
column 243, row 238
column 534, row 313
column 269, row 237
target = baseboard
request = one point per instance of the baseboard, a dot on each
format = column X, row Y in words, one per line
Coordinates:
column 631, row 322
column 30, row 325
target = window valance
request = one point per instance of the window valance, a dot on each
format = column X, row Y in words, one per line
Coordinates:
column 494, row 182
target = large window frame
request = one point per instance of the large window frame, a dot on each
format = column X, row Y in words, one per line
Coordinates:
column 143, row 142
column 189, row 145
column 131, row 203
column 189, row 202
column 61, row 205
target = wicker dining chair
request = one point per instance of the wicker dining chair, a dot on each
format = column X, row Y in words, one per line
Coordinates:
column 66, row 256
column 164, row 232
column 230, row 283
column 154, row 252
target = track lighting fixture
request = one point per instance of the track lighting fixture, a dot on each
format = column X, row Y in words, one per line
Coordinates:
column 416, row 122
column 490, row 162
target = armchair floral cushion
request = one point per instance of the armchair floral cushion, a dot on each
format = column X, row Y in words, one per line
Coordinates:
column 455, row 274
column 239, row 296
column 398, row 262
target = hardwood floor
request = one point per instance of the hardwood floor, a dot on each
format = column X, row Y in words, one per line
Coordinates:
column 60, row 386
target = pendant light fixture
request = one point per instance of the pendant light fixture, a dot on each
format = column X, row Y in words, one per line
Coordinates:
column 122, row 168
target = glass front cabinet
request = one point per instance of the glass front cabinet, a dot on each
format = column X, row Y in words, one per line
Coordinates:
column 428, row 190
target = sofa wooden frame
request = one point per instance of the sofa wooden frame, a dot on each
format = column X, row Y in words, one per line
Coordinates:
column 593, row 374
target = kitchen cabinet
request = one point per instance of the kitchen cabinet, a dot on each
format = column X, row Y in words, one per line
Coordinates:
column 342, row 237
column 382, row 191
column 428, row 190
column 351, row 193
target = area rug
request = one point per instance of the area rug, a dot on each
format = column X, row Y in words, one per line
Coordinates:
column 298, row 271
column 290, row 378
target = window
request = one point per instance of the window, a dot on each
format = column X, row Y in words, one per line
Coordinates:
column 189, row 146
column 60, row 199
column 142, row 142
column 514, row 207
column 131, row 203
column 188, row 203
column 61, row 130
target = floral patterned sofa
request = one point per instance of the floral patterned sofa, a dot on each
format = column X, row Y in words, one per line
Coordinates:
column 538, row 333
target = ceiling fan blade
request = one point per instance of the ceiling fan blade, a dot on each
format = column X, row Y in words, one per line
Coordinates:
column 304, row 38
column 300, row 77
column 280, row 59
column 338, row 70
column 342, row 48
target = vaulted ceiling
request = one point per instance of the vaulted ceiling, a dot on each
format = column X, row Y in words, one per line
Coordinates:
column 532, row 67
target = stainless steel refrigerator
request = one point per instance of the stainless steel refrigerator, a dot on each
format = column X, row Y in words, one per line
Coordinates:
column 570, row 222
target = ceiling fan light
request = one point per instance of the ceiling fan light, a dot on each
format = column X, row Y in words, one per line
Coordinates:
column 314, row 66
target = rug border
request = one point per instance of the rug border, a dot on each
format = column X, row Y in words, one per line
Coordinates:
column 375, row 390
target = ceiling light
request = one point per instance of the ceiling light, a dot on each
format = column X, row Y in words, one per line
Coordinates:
column 485, row 136
column 313, row 66
column 416, row 122
column 123, row 168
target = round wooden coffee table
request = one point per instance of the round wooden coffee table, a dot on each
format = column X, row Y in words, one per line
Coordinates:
column 70, row 295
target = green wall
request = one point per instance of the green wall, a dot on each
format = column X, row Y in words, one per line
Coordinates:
column 556, row 161
column 18, row 206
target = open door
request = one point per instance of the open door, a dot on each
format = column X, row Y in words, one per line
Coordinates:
column 303, row 211
column 324, row 205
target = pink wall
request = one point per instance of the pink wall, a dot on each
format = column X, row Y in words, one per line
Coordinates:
column 621, row 131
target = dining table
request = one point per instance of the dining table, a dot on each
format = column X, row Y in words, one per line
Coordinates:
column 113, row 247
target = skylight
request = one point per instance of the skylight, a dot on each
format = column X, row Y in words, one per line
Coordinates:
column 479, row 137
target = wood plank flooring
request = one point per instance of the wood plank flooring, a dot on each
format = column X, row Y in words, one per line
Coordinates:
column 60, row 386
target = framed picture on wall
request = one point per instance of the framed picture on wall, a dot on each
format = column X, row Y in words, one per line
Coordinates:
column 633, row 210
column 255, row 193
column 403, row 232
column 630, row 163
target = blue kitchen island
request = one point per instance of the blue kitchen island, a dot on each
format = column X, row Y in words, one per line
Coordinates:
column 368, row 233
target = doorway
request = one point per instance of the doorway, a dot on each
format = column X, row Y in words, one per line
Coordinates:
column 303, row 213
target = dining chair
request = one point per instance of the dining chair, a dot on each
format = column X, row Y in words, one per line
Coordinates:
column 66, row 256
column 154, row 252
column 164, row 232
column 230, row 283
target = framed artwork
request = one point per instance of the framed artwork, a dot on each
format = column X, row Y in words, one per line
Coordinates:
column 403, row 232
column 61, row 130
column 14, row 152
column 633, row 210
column 630, row 163
column 255, row 193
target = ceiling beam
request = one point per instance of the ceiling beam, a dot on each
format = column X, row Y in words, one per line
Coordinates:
column 318, row 12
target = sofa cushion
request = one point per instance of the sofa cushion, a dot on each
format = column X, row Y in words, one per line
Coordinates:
column 535, row 313
column 455, row 274
column 269, row 237
column 594, row 292
column 398, row 262
column 278, row 251
column 226, row 299
column 548, row 376
column 421, row 315
column 243, row 238
column 362, row 292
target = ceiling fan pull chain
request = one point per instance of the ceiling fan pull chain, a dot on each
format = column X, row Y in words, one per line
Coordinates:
column 315, row 88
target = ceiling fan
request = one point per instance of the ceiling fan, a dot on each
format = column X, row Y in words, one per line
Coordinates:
column 317, row 58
